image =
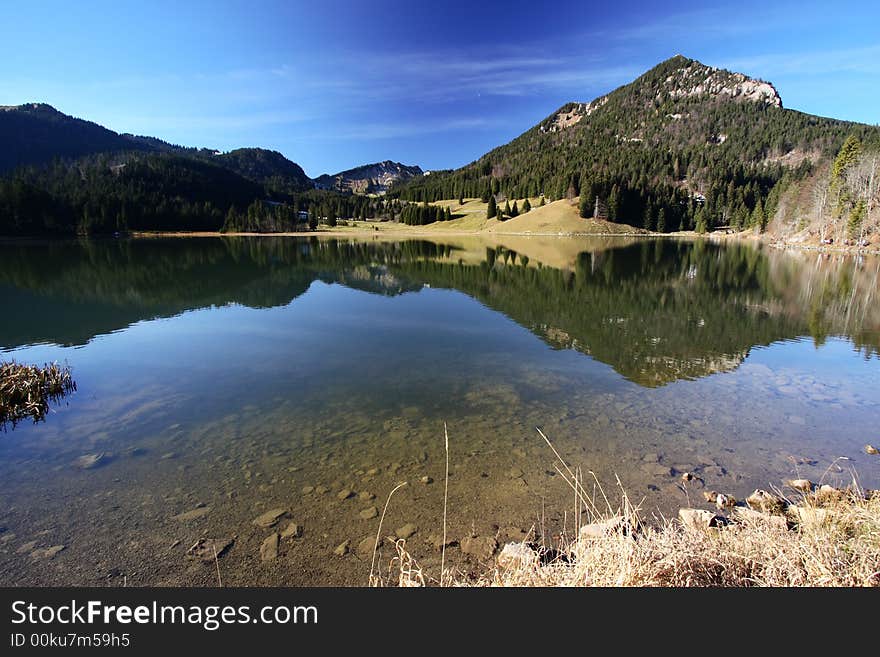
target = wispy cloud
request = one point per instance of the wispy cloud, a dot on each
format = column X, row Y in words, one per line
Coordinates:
column 398, row 129
column 814, row 62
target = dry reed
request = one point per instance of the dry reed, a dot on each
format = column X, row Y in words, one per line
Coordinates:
column 26, row 390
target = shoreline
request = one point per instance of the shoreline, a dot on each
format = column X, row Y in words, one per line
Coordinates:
column 397, row 233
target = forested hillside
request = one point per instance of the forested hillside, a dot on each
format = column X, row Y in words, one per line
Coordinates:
column 37, row 133
column 684, row 146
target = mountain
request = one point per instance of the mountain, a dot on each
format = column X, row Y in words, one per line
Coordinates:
column 684, row 146
column 37, row 133
column 369, row 178
column 269, row 168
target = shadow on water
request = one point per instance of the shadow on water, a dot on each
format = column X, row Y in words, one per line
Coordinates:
column 656, row 311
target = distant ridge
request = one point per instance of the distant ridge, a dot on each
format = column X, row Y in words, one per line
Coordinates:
column 369, row 178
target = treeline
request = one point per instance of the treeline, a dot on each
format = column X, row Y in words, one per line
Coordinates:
column 419, row 215
column 109, row 193
column 106, row 194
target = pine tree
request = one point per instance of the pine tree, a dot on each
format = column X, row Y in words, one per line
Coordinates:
column 586, row 207
column 506, row 208
column 514, row 211
column 527, row 207
column 648, row 218
column 542, row 203
column 491, row 211
column 614, row 203
column 758, row 220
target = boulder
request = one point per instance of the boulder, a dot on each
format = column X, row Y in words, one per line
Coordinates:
column 761, row 500
column 517, row 555
column 802, row 485
column 700, row 519
column 806, row 515
column 746, row 515
column 826, row 494
column 615, row 525
column 724, row 501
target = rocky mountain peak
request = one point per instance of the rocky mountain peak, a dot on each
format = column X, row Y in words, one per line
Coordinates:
column 689, row 77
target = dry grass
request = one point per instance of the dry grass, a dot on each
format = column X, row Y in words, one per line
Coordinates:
column 26, row 390
column 824, row 537
column 842, row 550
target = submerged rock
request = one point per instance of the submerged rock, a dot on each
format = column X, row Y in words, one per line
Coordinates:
column 368, row 514
column 91, row 461
column 366, row 545
column 342, row 549
column 406, row 531
column 292, row 531
column 269, row 547
column 436, row 541
column 198, row 512
column 47, row 553
column 205, row 549
column 344, row 494
column 269, row 518
column 870, row 449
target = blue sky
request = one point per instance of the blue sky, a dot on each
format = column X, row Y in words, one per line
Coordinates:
column 334, row 84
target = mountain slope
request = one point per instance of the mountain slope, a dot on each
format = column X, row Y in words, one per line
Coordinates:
column 683, row 146
column 369, row 178
column 37, row 133
column 269, row 168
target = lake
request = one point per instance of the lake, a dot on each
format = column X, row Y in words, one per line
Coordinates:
column 221, row 378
